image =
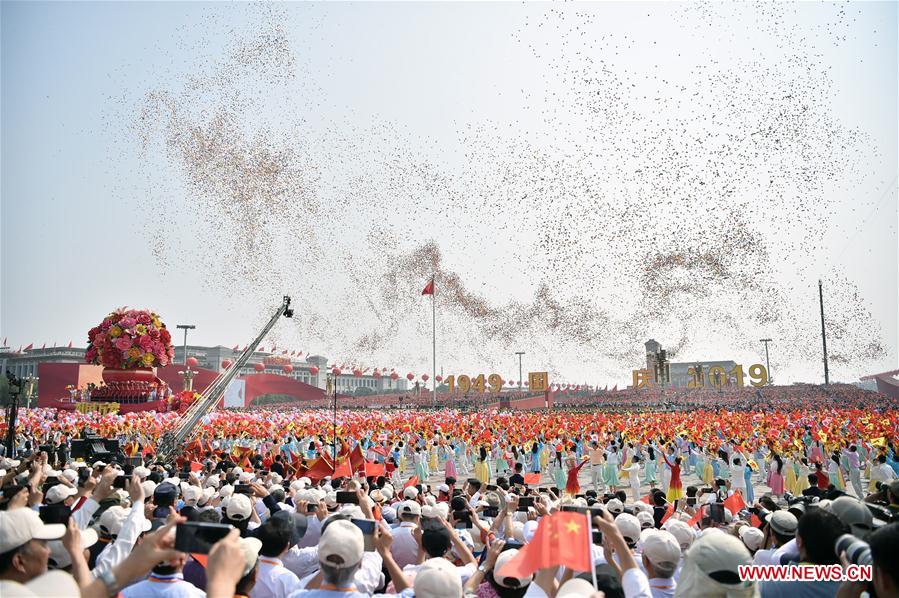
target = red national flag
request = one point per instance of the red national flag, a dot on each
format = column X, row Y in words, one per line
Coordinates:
column 412, row 482
column 343, row 470
column 561, row 539
column 668, row 513
column 29, row 347
column 735, row 503
column 615, row 389
column 646, row 499
column 70, row 344
column 374, row 469
column 320, row 469
column 357, row 459
column 194, row 466
column 429, row 288
column 381, row 450
column 754, row 520
column 532, row 478
column 697, row 517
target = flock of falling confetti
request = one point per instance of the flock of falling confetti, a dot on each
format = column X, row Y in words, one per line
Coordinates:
column 729, row 169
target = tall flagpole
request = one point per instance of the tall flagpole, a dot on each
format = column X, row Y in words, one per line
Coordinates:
column 434, row 336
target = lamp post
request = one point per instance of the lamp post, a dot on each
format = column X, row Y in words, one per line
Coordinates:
column 823, row 334
column 12, row 411
column 520, row 380
column 185, row 328
column 30, row 384
column 331, row 386
column 767, row 361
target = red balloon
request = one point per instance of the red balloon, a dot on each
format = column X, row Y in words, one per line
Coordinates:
column 259, row 367
column 376, row 373
column 313, row 370
column 226, row 363
column 287, row 368
column 410, row 376
column 425, row 377
column 192, row 362
column 336, row 371
column 394, row 375
column 357, row 372
column 439, row 378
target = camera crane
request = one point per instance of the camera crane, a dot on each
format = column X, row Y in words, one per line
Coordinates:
column 173, row 439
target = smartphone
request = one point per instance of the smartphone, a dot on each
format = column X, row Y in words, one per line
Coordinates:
column 347, row 498
column 311, row 508
column 368, row 532
column 707, row 490
column 55, row 514
column 198, row 537
column 491, row 487
column 691, row 501
column 597, row 537
column 243, row 489
column 542, row 490
column 120, row 482
column 524, row 502
column 491, row 512
column 592, row 511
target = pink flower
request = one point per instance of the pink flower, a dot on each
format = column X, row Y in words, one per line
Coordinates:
column 123, row 343
column 128, row 322
column 146, row 343
column 143, row 319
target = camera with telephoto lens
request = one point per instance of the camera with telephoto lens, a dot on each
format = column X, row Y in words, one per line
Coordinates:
column 857, row 551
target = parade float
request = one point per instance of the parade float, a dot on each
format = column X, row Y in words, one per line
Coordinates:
column 129, row 344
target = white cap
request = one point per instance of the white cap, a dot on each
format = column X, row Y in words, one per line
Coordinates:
column 681, row 531
column 61, row 556
column 341, row 545
column 752, row 537
column 660, row 547
column 70, row 474
column 111, row 520
column 58, row 493
column 437, row 578
column 250, row 548
column 239, row 507
column 141, row 471
column 191, row 495
column 628, row 526
column 410, row 493
column 615, row 506
column 245, row 477
column 226, row 490
column 529, row 529
column 409, row 507
column 212, row 481
column 149, row 487
column 22, row 525
column 576, row 588
column 52, row 583
column 645, row 519
column 501, row 579
column 443, row 488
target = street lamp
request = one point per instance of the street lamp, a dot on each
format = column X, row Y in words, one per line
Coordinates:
column 767, row 361
column 331, row 386
column 30, row 384
column 520, row 380
column 185, row 328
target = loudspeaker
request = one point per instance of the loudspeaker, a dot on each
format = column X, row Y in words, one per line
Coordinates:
column 79, row 449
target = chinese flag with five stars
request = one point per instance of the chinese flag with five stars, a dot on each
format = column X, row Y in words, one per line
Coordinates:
column 429, row 288
column 562, row 539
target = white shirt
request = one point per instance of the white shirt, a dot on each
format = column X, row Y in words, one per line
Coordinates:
column 118, row 550
column 169, row 586
column 662, row 588
column 274, row 580
column 882, row 473
column 635, row 584
column 301, row 561
column 404, row 547
column 367, row 578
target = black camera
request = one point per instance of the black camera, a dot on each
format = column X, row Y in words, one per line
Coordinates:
column 857, row 551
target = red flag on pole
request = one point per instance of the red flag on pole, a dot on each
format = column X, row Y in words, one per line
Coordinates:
column 429, row 288
column 562, row 538
column 343, row 470
column 735, row 503
column 70, row 344
column 29, row 347
column 411, row 482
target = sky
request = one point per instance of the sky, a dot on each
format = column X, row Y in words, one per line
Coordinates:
column 551, row 164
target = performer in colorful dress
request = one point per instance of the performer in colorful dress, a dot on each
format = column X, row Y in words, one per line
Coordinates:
column 481, row 467
column 775, row 474
column 610, row 474
column 676, row 487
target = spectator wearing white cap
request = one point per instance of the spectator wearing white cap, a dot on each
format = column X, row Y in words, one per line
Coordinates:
column 661, row 557
column 621, row 558
column 24, row 551
column 437, row 578
column 125, row 526
column 752, row 537
column 405, row 547
column 711, row 568
column 340, row 553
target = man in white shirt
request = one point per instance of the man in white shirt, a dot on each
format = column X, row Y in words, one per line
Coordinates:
column 661, row 556
column 274, row 580
column 780, row 531
column 405, row 547
column 881, row 472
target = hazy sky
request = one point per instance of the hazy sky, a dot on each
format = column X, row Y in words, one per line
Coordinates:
column 465, row 99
